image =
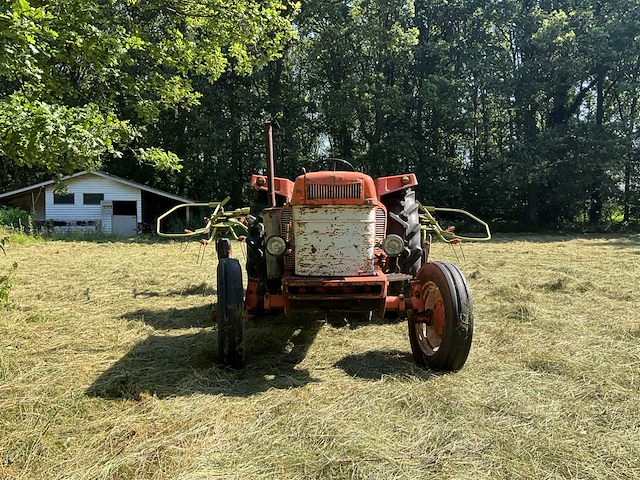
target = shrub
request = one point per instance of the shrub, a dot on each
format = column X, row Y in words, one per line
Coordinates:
column 6, row 282
column 14, row 217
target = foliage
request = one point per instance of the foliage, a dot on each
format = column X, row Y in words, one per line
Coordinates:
column 21, row 238
column 6, row 280
column 6, row 284
column 37, row 133
column 13, row 216
column 526, row 113
column 81, row 80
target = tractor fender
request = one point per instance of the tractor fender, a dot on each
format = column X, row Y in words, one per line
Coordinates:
column 394, row 183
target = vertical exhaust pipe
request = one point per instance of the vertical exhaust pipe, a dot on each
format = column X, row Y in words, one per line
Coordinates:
column 271, row 187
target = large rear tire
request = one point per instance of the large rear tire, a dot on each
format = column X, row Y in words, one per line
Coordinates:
column 231, row 314
column 441, row 335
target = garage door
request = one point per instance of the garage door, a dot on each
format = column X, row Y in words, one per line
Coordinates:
column 124, row 220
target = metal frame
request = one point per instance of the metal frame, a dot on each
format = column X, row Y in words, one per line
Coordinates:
column 218, row 223
column 430, row 225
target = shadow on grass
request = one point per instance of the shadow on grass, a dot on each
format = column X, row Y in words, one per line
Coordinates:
column 356, row 319
column 621, row 241
column 176, row 365
column 376, row 365
column 174, row 318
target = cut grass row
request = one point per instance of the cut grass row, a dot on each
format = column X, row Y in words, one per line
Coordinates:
column 107, row 371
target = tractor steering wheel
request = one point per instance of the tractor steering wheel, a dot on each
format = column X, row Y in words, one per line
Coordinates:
column 334, row 163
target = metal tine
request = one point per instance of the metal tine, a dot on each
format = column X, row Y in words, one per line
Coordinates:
column 204, row 251
column 454, row 251
column 200, row 249
column 243, row 249
column 462, row 251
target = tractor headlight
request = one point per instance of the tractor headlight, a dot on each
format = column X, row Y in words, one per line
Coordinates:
column 276, row 246
column 393, row 245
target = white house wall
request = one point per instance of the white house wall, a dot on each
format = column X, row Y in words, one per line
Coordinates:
column 89, row 183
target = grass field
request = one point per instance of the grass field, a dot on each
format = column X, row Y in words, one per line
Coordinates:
column 107, row 371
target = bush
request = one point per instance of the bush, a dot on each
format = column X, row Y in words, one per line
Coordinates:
column 14, row 217
column 6, row 283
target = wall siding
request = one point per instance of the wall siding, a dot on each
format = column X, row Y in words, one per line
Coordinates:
column 90, row 184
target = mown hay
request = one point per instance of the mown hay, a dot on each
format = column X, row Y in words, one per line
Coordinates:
column 107, row 370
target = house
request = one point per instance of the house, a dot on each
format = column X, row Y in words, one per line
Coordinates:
column 94, row 201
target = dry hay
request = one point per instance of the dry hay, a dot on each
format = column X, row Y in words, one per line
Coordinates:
column 107, row 371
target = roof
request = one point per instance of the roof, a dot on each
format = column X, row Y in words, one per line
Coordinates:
column 100, row 174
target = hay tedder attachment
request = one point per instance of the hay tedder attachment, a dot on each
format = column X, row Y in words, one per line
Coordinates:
column 218, row 224
column 336, row 239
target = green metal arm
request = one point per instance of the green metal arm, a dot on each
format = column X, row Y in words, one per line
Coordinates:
column 218, row 221
column 430, row 225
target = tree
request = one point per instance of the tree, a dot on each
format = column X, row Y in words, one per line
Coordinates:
column 83, row 79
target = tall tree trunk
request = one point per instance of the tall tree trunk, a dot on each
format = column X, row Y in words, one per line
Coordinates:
column 595, row 209
column 600, row 97
column 236, row 166
column 627, row 188
column 532, row 205
column 346, row 144
column 630, row 157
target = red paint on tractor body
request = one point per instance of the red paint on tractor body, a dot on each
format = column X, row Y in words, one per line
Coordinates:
column 283, row 186
column 395, row 183
column 334, row 188
column 328, row 293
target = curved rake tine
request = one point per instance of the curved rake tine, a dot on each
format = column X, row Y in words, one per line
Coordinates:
column 198, row 257
column 454, row 251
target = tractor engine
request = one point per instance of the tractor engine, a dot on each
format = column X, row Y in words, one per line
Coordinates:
column 335, row 223
column 322, row 246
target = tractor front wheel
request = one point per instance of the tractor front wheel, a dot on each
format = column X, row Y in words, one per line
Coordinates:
column 441, row 333
column 230, row 313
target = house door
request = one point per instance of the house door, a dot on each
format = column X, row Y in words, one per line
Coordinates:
column 124, row 220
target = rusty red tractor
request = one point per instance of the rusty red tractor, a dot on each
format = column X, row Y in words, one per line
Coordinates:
column 336, row 239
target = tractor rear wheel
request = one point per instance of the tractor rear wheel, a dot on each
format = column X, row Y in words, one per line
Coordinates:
column 404, row 220
column 230, row 313
column 441, row 334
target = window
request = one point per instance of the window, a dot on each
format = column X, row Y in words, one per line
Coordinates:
column 68, row 199
column 128, row 208
column 93, row 198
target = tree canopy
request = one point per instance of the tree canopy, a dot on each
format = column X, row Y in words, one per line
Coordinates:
column 80, row 80
column 524, row 111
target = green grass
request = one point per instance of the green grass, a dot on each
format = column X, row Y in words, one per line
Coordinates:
column 107, row 371
column 17, row 238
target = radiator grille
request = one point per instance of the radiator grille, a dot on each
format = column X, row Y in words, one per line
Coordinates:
column 381, row 224
column 285, row 232
column 327, row 192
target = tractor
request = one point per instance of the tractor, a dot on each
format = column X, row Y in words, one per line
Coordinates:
column 336, row 239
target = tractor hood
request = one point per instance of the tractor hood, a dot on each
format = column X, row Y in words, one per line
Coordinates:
column 333, row 188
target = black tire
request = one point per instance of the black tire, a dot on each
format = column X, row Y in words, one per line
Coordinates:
column 457, row 332
column 404, row 220
column 256, row 263
column 231, row 314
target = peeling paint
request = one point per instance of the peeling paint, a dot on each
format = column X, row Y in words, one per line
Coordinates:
column 334, row 240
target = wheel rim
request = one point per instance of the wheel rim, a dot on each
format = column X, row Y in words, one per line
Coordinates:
column 429, row 332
